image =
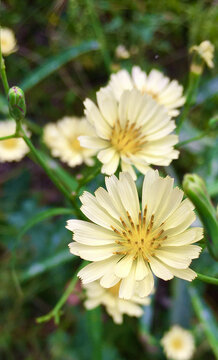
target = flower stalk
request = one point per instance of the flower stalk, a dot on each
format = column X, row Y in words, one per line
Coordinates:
column 194, row 78
column 56, row 311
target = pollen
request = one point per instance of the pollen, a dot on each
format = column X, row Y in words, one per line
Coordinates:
column 139, row 238
column 9, row 143
column 75, row 144
column 128, row 139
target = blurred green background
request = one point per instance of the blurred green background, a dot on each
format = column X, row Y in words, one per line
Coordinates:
column 66, row 51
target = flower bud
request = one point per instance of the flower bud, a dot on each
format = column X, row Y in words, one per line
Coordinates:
column 195, row 188
column 16, row 103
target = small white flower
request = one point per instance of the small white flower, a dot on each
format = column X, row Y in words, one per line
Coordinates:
column 126, row 242
column 8, row 41
column 115, row 307
column 206, row 52
column 121, row 52
column 11, row 149
column 178, row 344
column 156, row 84
column 62, row 139
column 136, row 130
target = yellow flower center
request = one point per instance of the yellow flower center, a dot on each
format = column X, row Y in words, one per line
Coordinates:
column 114, row 290
column 141, row 238
column 10, row 143
column 128, row 139
column 75, row 144
column 177, row 343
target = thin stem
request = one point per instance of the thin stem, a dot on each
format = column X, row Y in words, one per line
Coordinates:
column 9, row 137
column 190, row 98
column 2, row 70
column 55, row 312
column 49, row 172
column 195, row 138
column 207, row 279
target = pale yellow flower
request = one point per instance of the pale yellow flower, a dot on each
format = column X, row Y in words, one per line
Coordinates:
column 136, row 130
column 178, row 344
column 8, row 41
column 127, row 243
column 206, row 52
column 62, row 139
column 156, row 84
column 121, row 52
column 115, row 307
column 11, row 149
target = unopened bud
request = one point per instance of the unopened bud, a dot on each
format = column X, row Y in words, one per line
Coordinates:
column 213, row 123
column 195, row 188
column 16, row 103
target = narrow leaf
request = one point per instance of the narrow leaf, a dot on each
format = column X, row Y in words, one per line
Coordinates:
column 43, row 266
column 42, row 216
column 206, row 318
column 55, row 62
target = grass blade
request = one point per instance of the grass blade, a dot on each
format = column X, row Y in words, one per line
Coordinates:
column 42, row 216
column 206, row 318
column 55, row 62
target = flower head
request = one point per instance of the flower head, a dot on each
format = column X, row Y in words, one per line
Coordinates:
column 206, row 51
column 121, row 52
column 135, row 130
column 165, row 92
column 11, row 149
column 178, row 344
column 126, row 242
column 62, row 139
column 8, row 41
column 115, row 306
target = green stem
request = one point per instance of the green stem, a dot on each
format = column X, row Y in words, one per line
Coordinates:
column 3, row 72
column 9, row 137
column 99, row 33
column 49, row 172
column 207, row 279
column 55, row 312
column 195, row 138
column 190, row 98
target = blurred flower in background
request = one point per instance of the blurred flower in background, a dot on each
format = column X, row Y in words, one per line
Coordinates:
column 178, row 344
column 128, row 245
column 8, row 41
column 135, row 130
column 121, row 52
column 62, row 140
column 13, row 149
column 206, row 51
column 115, row 306
column 165, row 92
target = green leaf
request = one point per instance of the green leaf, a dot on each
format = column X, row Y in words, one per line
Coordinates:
column 42, row 216
column 55, row 62
column 63, row 175
column 206, row 318
column 43, row 266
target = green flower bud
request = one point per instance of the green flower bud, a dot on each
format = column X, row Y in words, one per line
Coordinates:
column 16, row 103
column 213, row 123
column 195, row 188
